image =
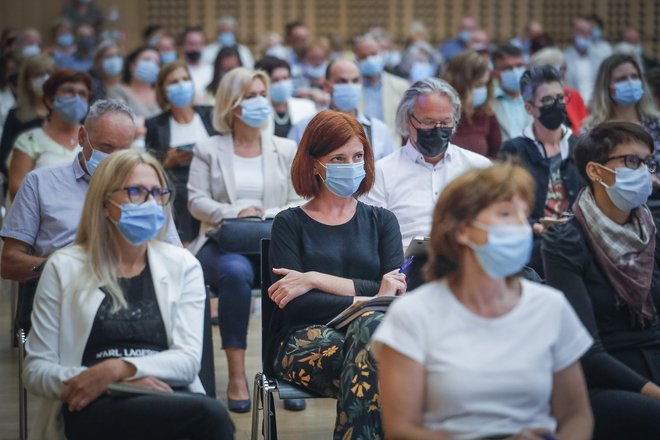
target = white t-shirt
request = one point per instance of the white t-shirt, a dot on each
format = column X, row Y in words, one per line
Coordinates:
column 485, row 376
column 249, row 175
column 43, row 149
column 184, row 134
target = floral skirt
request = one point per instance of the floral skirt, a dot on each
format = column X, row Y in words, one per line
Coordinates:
column 338, row 364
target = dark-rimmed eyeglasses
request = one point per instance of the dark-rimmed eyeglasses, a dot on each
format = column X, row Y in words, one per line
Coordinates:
column 429, row 123
column 140, row 194
column 633, row 162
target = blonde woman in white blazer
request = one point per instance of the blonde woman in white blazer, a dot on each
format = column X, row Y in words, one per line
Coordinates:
column 242, row 172
column 121, row 306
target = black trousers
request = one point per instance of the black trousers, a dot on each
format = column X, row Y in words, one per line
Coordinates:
column 624, row 415
column 144, row 417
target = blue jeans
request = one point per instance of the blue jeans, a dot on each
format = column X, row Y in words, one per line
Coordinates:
column 231, row 277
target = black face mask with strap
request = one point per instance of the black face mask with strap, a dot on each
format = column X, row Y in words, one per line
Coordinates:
column 432, row 142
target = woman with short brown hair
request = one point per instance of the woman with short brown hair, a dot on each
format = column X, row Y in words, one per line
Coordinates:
column 326, row 255
column 478, row 352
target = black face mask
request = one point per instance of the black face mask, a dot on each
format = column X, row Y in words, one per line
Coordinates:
column 86, row 44
column 553, row 115
column 193, row 56
column 432, row 142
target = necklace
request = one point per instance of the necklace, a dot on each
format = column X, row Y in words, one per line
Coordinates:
column 281, row 120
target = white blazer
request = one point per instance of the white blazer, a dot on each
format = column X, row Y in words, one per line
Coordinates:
column 62, row 321
column 212, row 184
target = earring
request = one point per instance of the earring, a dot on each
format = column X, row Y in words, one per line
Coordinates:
column 598, row 179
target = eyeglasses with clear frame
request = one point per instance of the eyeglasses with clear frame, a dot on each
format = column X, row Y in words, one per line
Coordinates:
column 140, row 194
column 633, row 162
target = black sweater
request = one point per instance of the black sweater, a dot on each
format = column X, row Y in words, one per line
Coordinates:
column 624, row 356
column 363, row 249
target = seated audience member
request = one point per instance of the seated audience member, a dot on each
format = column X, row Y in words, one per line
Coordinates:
column 243, row 172
column 621, row 94
column 82, row 58
column 344, row 86
column 576, row 110
column 66, row 95
column 64, row 41
column 326, row 255
column 582, row 60
column 45, row 214
column 632, row 37
column 138, row 79
column 409, row 181
column 171, row 135
column 226, row 29
column 479, row 352
column 192, row 43
column 545, row 149
column 381, row 91
column 454, row 47
column 226, row 60
column 605, row 260
column 30, row 111
column 314, row 69
column 288, row 110
column 121, row 306
column 107, row 69
column 508, row 106
column 297, row 35
column 478, row 130
column 166, row 47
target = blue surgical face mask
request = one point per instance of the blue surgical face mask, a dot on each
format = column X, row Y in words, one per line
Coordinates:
column 314, row 72
column 372, row 66
column 628, row 93
column 113, row 66
column 631, row 188
column 596, row 34
column 31, row 50
column 65, row 40
column 168, row 57
column 421, row 70
column 146, row 71
column 281, row 91
column 507, row 251
column 227, row 39
column 464, row 36
column 72, row 109
column 479, row 96
column 511, row 79
column 139, row 223
column 344, row 179
column 95, row 159
column 582, row 44
column 255, row 111
column 346, row 96
column 181, row 94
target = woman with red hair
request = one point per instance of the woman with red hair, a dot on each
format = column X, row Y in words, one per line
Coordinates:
column 326, row 255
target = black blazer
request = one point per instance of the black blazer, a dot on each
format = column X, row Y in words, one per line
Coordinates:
column 158, row 129
column 530, row 157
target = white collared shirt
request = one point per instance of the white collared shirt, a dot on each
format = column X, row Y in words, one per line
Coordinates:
column 409, row 186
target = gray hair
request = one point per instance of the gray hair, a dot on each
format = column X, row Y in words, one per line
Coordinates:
column 421, row 87
column 548, row 55
column 228, row 19
column 534, row 77
column 103, row 106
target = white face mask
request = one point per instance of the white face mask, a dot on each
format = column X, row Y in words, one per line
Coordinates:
column 631, row 188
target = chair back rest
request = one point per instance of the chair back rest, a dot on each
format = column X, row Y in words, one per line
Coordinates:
column 207, row 369
column 268, row 307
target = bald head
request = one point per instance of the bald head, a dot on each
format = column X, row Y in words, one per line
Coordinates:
column 343, row 71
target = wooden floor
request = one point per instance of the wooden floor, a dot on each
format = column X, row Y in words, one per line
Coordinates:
column 316, row 422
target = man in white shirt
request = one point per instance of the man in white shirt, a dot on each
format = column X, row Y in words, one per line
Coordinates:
column 582, row 60
column 201, row 74
column 409, row 181
column 342, row 82
column 226, row 28
column 381, row 91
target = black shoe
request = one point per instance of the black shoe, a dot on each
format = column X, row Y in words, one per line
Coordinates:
column 294, row 404
column 238, row 406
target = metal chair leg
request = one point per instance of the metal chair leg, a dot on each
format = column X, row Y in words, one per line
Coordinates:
column 22, row 393
column 257, row 405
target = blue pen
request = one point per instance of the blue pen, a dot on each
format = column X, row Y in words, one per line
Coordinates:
column 406, row 264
